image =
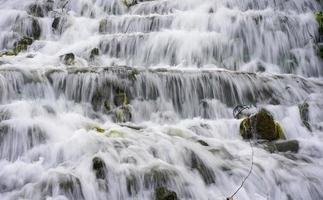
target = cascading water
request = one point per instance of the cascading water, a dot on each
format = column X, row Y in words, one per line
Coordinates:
column 118, row 99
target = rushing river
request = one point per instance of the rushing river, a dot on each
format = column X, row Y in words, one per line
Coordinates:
column 113, row 99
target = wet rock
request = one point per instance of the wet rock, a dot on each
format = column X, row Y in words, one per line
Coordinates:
column 304, row 114
column 103, row 26
column 68, row 59
column 203, row 143
column 23, row 44
column 20, row 46
column 262, row 126
column 162, row 193
column 158, row 177
column 319, row 19
column 35, row 31
column 99, row 167
column 60, row 24
column 206, row 173
column 40, row 9
column 123, row 114
column 94, row 53
column 132, row 184
column 130, row 3
column 62, row 184
column 120, row 98
column 283, row 146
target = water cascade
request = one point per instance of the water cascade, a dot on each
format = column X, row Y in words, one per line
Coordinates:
column 134, row 99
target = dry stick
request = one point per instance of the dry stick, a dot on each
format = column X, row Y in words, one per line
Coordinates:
column 252, row 122
column 244, row 180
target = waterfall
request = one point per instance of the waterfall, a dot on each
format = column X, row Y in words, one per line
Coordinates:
column 128, row 99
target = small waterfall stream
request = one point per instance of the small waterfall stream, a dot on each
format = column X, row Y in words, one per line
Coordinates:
column 115, row 99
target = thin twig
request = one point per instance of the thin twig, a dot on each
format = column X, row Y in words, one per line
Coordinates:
column 249, row 173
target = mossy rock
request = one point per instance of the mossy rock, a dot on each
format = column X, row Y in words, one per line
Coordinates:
column 120, row 97
column 99, row 167
column 20, row 46
column 162, row 193
column 130, row 3
column 123, row 114
column 304, row 114
column 68, row 59
column 263, row 125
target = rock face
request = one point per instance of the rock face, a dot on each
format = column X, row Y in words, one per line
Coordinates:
column 262, row 125
column 129, row 3
column 162, row 193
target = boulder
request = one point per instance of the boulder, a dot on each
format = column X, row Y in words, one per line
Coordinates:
column 20, row 46
column 261, row 126
column 162, row 193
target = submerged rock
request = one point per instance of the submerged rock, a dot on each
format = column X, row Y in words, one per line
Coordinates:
column 263, row 126
column 94, row 53
column 206, row 173
column 162, row 193
column 99, row 168
column 123, row 114
column 40, row 9
column 304, row 114
column 283, row 146
column 103, row 26
column 68, row 59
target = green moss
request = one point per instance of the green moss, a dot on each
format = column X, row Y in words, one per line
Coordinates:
column 100, row 130
column 115, row 133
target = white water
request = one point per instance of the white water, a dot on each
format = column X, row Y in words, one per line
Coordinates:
column 216, row 54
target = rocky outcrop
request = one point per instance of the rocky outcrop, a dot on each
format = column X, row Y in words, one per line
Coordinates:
column 20, row 46
column 261, row 126
column 283, row 146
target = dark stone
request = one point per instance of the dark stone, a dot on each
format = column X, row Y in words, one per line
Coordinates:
column 40, row 9
column 162, row 193
column 35, row 31
column 94, row 53
column 285, row 146
column 203, row 143
column 99, row 168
